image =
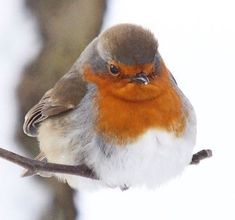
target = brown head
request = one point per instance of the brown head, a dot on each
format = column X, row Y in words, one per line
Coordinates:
column 125, row 62
column 128, row 44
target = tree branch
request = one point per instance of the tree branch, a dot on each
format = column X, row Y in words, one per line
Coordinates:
column 201, row 155
column 35, row 166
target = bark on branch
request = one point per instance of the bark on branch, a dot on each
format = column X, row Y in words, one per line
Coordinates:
column 35, row 166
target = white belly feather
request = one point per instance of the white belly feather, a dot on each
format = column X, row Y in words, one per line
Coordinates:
column 155, row 158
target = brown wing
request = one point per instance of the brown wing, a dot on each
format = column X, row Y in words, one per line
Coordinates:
column 64, row 96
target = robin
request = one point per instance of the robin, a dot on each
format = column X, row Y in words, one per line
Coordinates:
column 119, row 111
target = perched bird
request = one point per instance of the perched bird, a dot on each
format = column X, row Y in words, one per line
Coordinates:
column 119, row 111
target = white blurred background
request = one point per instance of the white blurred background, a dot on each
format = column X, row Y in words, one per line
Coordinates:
column 197, row 42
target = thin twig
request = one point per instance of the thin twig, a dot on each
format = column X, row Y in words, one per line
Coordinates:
column 201, row 155
column 35, row 166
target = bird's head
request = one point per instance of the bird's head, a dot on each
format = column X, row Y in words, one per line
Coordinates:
column 124, row 62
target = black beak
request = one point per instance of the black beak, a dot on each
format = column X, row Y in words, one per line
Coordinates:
column 140, row 78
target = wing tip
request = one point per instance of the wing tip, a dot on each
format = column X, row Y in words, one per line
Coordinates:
column 30, row 130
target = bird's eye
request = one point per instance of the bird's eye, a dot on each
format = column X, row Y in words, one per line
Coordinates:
column 113, row 69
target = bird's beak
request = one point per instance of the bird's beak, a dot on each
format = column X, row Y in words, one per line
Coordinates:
column 140, row 78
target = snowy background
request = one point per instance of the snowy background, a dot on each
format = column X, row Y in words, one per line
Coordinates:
column 197, row 42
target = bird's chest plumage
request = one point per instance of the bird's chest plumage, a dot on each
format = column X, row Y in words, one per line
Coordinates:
column 123, row 121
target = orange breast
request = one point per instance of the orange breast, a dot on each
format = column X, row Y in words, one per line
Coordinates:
column 123, row 121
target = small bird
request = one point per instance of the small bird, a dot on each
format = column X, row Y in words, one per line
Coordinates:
column 119, row 111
